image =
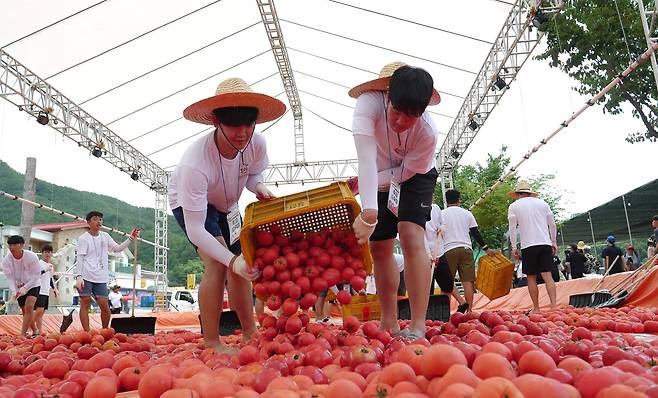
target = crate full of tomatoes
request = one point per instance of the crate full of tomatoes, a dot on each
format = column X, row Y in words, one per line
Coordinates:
column 303, row 244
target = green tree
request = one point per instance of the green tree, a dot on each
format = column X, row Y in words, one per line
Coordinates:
column 491, row 214
column 178, row 275
column 588, row 41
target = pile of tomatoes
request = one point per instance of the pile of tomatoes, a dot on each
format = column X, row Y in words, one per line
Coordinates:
column 297, row 267
column 565, row 352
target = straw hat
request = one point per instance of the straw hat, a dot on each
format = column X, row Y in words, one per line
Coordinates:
column 521, row 187
column 381, row 83
column 235, row 92
column 581, row 245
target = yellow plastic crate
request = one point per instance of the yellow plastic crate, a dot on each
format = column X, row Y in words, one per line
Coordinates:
column 494, row 277
column 365, row 308
column 308, row 211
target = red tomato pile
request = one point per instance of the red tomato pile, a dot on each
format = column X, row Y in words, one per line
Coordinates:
column 296, row 268
column 565, row 352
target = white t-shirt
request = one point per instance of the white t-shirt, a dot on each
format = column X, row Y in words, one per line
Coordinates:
column 416, row 146
column 92, row 251
column 535, row 220
column 46, row 274
column 432, row 237
column 371, row 287
column 399, row 260
column 22, row 272
column 115, row 299
column 202, row 177
column 458, row 222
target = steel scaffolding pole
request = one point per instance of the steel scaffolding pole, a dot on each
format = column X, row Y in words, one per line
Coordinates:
column 647, row 35
column 275, row 36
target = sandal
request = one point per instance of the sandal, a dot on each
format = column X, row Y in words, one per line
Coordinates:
column 410, row 334
column 462, row 308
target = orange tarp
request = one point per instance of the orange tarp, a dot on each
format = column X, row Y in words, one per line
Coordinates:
column 519, row 299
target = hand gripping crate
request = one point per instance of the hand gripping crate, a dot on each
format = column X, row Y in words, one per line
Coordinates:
column 308, row 211
column 494, row 277
column 364, row 308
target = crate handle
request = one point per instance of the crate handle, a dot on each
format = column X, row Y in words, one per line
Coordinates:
column 296, row 204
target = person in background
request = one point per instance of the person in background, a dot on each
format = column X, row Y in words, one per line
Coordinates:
column 434, row 241
column 653, row 239
column 521, row 278
column 46, row 283
column 460, row 226
column 592, row 264
column 566, row 264
column 578, row 260
column 613, row 257
column 91, row 267
column 115, row 297
column 535, row 220
column 631, row 258
column 23, row 272
column 399, row 260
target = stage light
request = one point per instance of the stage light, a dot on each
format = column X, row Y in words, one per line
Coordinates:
column 473, row 125
column 539, row 19
column 134, row 175
column 455, row 154
column 97, row 152
column 42, row 118
column 500, row 83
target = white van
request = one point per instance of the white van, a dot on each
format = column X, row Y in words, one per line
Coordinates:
column 183, row 300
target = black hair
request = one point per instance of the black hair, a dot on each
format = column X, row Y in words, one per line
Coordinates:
column 573, row 246
column 235, row 116
column 15, row 239
column 453, row 196
column 92, row 214
column 47, row 248
column 655, row 218
column 410, row 90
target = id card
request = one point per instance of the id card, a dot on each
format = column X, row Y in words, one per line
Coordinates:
column 394, row 197
column 234, row 223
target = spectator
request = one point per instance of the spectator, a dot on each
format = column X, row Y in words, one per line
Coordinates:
column 578, row 260
column 521, row 278
column 115, row 297
column 566, row 264
column 399, row 260
column 613, row 257
column 631, row 258
column 651, row 242
column 592, row 264
column 434, row 241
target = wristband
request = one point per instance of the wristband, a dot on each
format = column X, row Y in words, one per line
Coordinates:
column 367, row 224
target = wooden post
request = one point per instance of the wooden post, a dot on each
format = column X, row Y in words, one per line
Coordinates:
column 29, row 192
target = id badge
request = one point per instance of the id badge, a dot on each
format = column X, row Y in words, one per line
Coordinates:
column 394, row 197
column 234, row 223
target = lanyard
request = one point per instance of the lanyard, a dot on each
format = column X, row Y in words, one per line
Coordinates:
column 388, row 138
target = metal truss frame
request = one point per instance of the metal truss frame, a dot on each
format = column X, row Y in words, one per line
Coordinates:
column 321, row 171
column 275, row 36
column 33, row 95
column 511, row 49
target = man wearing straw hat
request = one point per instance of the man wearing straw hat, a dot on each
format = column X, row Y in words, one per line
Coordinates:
column 538, row 234
column 395, row 143
column 204, row 191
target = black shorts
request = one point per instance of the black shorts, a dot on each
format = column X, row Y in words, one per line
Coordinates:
column 443, row 277
column 42, row 302
column 34, row 292
column 216, row 224
column 416, row 198
column 537, row 259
